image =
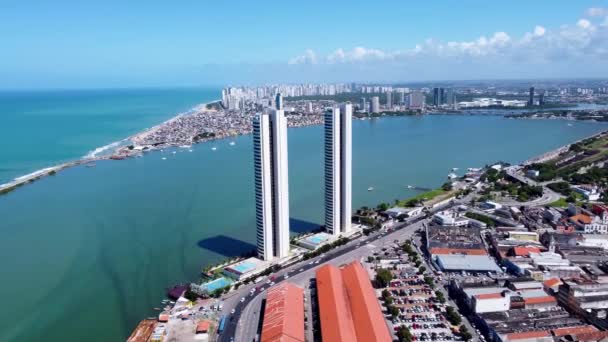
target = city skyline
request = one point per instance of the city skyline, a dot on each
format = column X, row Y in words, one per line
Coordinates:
column 503, row 43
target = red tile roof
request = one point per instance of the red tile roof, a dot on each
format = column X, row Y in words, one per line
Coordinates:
column 584, row 329
column 525, row 251
column 370, row 324
column 488, row 296
column 526, row 335
column 552, row 282
column 284, row 314
column 346, row 297
column 336, row 319
column 202, row 327
column 163, row 318
column 437, row 250
column 582, row 218
column 540, row 300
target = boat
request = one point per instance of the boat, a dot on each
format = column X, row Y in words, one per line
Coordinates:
column 454, row 169
column 452, row 176
column 570, row 125
column 371, row 188
column 213, row 148
column 189, row 150
column 410, row 187
column 157, row 309
column 164, row 158
column 232, row 143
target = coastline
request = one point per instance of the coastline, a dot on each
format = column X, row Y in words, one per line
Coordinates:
column 138, row 144
column 91, row 157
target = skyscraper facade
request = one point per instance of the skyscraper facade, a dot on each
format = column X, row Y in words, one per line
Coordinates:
column 416, row 100
column 389, row 100
column 531, row 98
column 363, row 105
column 375, row 104
column 436, row 98
column 271, row 184
column 278, row 102
column 338, row 169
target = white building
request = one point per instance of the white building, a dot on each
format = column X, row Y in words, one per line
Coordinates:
column 338, row 169
column 375, row 104
column 271, row 184
column 416, row 100
column 590, row 192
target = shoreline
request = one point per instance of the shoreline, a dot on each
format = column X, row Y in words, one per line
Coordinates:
column 135, row 145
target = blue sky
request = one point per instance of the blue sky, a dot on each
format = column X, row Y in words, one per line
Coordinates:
column 81, row 44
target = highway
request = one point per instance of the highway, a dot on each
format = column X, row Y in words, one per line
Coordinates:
column 549, row 196
column 243, row 324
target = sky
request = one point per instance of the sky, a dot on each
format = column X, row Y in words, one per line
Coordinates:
column 105, row 44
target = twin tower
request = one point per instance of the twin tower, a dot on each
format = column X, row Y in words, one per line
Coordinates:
column 271, row 178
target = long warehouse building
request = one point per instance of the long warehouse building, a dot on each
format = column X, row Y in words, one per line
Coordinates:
column 284, row 314
column 348, row 307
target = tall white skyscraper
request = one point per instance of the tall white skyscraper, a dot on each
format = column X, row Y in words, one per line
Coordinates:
column 271, row 184
column 338, row 169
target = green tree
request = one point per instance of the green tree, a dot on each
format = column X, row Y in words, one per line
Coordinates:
column 440, row 296
column 404, row 334
column 464, row 333
column 383, row 277
column 452, row 316
column 421, row 270
column 393, row 311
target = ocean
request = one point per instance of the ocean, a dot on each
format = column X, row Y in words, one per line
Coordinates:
column 44, row 128
column 90, row 251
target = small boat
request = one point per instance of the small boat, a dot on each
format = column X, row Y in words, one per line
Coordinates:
column 232, row 143
column 157, row 309
column 164, row 158
column 452, row 176
column 189, row 150
column 454, row 169
column 213, row 148
column 570, row 125
column 371, row 188
column 410, row 187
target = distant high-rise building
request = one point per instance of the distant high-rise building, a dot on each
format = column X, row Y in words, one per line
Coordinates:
column 309, row 107
column 531, row 99
column 338, row 169
column 363, row 105
column 541, row 99
column 436, row 98
column 389, row 100
column 416, row 100
column 401, row 98
column 450, row 98
column 375, row 104
column 278, row 102
column 442, row 96
column 271, row 184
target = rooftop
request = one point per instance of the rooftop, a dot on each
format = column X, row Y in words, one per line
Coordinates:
column 456, row 262
column 284, row 314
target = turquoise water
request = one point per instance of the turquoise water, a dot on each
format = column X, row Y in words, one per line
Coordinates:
column 43, row 128
column 89, row 252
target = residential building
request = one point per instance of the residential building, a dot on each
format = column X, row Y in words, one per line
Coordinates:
column 375, row 104
column 416, row 100
column 271, row 184
column 338, row 169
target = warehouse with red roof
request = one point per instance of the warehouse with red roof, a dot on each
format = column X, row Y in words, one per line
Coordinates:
column 346, row 296
column 284, row 314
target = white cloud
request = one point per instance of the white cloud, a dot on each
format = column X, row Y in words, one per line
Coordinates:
column 584, row 23
column 309, row 57
column 597, row 12
column 586, row 39
column 539, row 31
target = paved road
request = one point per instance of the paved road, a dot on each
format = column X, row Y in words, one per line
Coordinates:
column 244, row 322
column 549, row 196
